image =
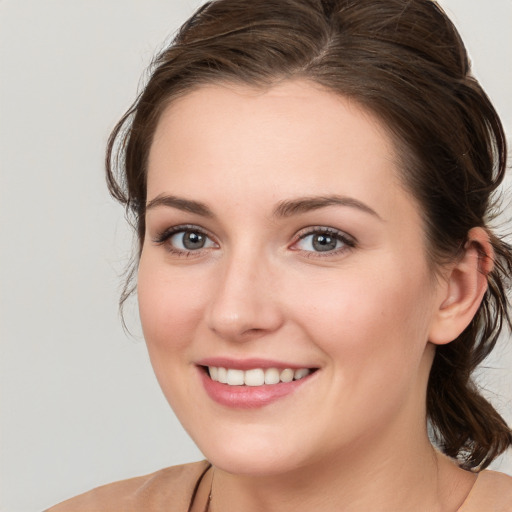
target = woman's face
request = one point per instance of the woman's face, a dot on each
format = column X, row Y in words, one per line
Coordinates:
column 281, row 245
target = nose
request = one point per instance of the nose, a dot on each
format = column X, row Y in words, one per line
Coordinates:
column 245, row 303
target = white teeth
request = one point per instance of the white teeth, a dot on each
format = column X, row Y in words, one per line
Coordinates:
column 301, row 373
column 272, row 376
column 286, row 375
column 255, row 376
column 235, row 377
column 222, row 375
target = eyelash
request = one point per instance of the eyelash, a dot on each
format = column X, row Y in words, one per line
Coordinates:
column 348, row 242
column 164, row 237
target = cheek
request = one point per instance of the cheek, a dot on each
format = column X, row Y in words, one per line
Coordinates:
column 369, row 321
column 170, row 312
column 170, row 307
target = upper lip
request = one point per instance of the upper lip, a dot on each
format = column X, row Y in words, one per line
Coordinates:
column 249, row 364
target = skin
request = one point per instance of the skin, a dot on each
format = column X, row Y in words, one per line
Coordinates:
column 367, row 315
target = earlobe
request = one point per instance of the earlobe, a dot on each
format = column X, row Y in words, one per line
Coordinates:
column 464, row 288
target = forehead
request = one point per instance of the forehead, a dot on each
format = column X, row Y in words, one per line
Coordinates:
column 302, row 107
column 293, row 138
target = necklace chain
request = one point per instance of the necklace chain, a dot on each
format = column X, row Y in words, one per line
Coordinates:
column 209, row 500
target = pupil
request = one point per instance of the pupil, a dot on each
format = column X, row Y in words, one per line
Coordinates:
column 192, row 240
column 324, row 243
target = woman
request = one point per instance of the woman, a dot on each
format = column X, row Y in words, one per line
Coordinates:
column 311, row 184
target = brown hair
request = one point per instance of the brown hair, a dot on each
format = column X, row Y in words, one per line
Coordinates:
column 405, row 62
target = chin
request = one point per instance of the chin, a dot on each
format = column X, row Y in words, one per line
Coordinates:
column 253, row 463
column 254, row 453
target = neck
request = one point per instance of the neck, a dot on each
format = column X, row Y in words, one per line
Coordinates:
column 378, row 479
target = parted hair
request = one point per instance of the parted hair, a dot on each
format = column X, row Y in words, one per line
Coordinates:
column 404, row 61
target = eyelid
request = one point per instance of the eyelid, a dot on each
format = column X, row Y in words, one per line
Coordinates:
column 349, row 241
column 163, row 236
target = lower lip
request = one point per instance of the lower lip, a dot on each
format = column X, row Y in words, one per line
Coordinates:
column 249, row 397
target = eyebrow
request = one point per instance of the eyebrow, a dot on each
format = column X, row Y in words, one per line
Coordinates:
column 286, row 208
column 179, row 203
column 306, row 204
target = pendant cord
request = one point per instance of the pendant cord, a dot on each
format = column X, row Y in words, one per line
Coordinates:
column 209, row 500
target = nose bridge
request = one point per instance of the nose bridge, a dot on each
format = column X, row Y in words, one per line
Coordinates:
column 244, row 304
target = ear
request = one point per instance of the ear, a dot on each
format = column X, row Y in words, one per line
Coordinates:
column 463, row 289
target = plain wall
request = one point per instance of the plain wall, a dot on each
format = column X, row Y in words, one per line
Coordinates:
column 79, row 403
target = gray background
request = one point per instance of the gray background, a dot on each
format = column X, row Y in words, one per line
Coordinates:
column 79, row 403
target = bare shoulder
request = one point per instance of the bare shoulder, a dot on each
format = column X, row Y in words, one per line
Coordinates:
column 492, row 492
column 169, row 489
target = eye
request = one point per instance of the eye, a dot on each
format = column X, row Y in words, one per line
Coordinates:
column 190, row 240
column 324, row 240
column 185, row 239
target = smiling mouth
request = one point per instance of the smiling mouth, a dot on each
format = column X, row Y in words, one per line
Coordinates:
column 257, row 376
